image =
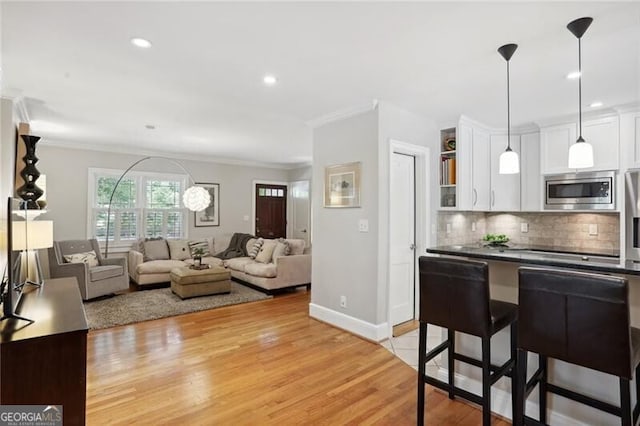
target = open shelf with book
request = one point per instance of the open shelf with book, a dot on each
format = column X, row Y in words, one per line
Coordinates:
column 448, row 172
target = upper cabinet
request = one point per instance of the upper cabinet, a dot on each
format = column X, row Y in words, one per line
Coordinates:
column 505, row 189
column 554, row 147
column 601, row 133
column 473, row 172
column 531, row 185
column 630, row 138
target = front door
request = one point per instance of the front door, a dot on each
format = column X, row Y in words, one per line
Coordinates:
column 271, row 211
column 402, row 238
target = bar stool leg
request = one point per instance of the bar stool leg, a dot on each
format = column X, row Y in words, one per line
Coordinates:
column 543, row 363
column 422, row 355
column 514, row 369
column 518, row 417
column 486, row 381
column 451, row 336
column 625, row 402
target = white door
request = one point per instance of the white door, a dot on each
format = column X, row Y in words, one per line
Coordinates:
column 300, row 210
column 402, row 238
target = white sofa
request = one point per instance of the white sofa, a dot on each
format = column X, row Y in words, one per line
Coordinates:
column 287, row 271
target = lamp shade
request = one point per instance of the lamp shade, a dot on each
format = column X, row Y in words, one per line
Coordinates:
column 32, row 234
column 509, row 163
column 196, row 198
column 580, row 155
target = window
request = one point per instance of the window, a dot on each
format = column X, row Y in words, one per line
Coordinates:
column 144, row 205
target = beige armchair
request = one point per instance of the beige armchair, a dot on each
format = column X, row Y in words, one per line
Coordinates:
column 108, row 277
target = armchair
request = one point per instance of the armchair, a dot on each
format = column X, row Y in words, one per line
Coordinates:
column 108, row 277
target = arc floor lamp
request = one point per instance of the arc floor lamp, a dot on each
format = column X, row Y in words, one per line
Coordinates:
column 195, row 198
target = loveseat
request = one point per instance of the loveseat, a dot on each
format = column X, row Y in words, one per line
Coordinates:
column 271, row 274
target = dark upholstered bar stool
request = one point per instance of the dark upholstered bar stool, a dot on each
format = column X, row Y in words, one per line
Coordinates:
column 454, row 294
column 580, row 318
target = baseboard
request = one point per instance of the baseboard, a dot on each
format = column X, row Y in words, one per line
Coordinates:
column 374, row 332
column 501, row 400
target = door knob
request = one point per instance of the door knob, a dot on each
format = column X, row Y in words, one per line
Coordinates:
column 412, row 247
column 304, row 230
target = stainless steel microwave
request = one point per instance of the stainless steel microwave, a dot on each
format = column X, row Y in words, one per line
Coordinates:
column 583, row 191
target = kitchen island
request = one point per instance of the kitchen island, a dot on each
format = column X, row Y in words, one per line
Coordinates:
column 503, row 276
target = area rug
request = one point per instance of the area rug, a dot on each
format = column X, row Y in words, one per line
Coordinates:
column 147, row 305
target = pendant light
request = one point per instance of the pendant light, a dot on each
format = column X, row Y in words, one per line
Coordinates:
column 509, row 162
column 581, row 152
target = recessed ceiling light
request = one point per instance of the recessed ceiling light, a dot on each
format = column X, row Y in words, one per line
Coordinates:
column 270, row 80
column 573, row 75
column 141, row 42
column 595, row 104
column 150, row 126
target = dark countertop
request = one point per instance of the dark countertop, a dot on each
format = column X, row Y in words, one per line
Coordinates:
column 545, row 256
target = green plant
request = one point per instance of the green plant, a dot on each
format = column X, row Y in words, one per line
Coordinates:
column 496, row 238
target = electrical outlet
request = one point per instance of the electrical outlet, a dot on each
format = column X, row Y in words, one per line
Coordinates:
column 343, row 301
column 524, row 227
column 448, row 228
column 593, row 229
column 473, row 227
column 363, row 225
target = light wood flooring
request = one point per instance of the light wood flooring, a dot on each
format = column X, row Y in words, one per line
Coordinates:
column 259, row 363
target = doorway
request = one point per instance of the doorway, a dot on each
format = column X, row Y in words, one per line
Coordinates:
column 270, row 220
column 402, row 238
column 410, row 230
column 300, row 211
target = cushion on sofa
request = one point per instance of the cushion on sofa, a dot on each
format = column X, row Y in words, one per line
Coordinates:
column 238, row 263
column 266, row 251
column 282, row 249
column 88, row 257
column 255, row 249
column 179, row 249
column 201, row 244
column 103, row 272
column 155, row 250
column 159, row 266
column 250, row 244
column 296, row 245
column 265, row 270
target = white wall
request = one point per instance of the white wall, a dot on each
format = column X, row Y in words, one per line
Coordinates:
column 345, row 260
column 67, row 172
column 403, row 126
column 7, row 156
column 302, row 173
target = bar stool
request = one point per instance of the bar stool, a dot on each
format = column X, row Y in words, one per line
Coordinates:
column 454, row 294
column 580, row 318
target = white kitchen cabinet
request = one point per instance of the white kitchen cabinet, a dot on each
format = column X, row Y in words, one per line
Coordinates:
column 480, row 172
column 505, row 189
column 531, row 184
column 601, row 133
column 630, row 139
column 554, row 148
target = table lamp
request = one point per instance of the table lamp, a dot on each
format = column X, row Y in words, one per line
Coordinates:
column 32, row 235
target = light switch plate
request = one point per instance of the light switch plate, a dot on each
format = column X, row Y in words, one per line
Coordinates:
column 245, row 218
column 593, row 229
column 448, row 228
column 473, row 227
column 524, row 227
column 363, row 225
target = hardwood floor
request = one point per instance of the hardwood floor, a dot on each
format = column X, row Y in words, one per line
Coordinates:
column 259, row 363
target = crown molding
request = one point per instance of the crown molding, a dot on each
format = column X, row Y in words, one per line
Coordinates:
column 631, row 107
column 175, row 155
column 19, row 106
column 342, row 114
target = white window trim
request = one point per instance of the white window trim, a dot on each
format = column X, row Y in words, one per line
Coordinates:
column 93, row 173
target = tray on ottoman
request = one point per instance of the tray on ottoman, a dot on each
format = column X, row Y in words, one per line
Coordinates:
column 186, row 282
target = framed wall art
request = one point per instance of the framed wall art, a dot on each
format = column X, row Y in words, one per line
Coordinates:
column 211, row 215
column 342, row 185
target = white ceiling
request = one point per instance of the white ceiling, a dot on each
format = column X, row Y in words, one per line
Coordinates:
column 201, row 82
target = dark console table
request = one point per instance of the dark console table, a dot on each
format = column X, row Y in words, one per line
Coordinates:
column 45, row 363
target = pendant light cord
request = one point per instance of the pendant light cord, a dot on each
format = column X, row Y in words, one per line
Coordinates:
column 580, row 86
column 508, row 112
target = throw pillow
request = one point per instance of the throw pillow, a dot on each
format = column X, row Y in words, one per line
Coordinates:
column 256, row 248
column 282, row 249
column 89, row 258
column 199, row 244
column 156, row 250
column 179, row 249
column 266, row 251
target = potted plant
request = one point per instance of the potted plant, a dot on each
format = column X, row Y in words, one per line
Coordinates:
column 197, row 256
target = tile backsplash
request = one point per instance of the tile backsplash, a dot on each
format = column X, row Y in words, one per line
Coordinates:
column 571, row 230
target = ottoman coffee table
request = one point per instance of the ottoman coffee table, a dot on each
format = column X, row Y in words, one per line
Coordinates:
column 186, row 282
